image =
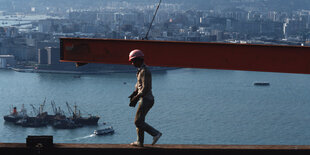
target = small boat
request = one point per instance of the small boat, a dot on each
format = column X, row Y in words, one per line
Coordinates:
column 108, row 130
column 261, row 83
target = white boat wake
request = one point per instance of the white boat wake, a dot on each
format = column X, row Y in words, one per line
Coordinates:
column 80, row 138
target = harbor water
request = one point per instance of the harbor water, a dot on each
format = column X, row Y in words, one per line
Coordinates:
column 192, row 106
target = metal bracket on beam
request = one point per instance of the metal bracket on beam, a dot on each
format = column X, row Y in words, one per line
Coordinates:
column 39, row 144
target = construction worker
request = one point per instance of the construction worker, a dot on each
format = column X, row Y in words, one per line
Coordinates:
column 142, row 93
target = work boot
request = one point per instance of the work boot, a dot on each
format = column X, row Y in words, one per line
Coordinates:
column 136, row 143
column 155, row 138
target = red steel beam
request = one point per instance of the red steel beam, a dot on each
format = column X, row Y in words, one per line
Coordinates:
column 267, row 58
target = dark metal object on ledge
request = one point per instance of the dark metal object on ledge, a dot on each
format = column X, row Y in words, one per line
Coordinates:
column 39, row 144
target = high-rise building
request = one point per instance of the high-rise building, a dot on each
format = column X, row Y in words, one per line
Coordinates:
column 49, row 56
column 42, row 56
column 7, row 60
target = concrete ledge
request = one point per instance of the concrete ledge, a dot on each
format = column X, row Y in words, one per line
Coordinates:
column 59, row 148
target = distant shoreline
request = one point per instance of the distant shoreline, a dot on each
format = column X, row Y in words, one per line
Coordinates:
column 82, row 72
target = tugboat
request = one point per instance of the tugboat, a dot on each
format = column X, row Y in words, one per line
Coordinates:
column 15, row 116
column 105, row 131
column 78, row 119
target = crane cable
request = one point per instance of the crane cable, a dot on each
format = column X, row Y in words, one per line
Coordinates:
column 147, row 34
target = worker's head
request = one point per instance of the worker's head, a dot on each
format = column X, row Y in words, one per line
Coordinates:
column 136, row 57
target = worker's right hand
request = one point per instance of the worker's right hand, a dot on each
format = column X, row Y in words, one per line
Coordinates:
column 132, row 95
column 133, row 104
column 134, row 100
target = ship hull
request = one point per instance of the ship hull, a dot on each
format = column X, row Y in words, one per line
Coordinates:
column 93, row 120
column 11, row 118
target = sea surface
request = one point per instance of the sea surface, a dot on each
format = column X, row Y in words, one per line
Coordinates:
column 192, row 106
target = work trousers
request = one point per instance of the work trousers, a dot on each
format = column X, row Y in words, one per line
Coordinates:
column 144, row 106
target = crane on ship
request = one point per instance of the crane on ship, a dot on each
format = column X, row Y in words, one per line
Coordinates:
column 41, row 109
column 54, row 107
column 35, row 110
column 74, row 113
column 55, row 110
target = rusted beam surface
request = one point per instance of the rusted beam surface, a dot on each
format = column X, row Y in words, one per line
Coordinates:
column 20, row 148
column 268, row 58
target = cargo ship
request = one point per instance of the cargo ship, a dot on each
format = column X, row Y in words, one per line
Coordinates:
column 57, row 120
